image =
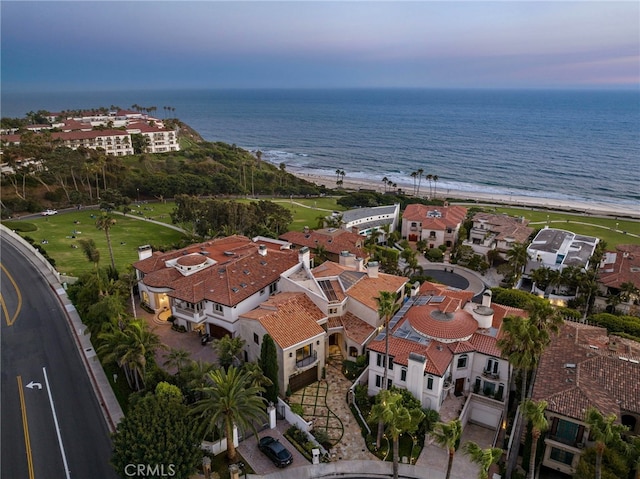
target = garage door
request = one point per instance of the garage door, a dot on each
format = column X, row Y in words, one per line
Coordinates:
column 485, row 416
column 303, row 379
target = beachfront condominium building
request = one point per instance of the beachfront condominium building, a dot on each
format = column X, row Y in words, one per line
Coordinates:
column 109, row 131
column 584, row 367
column 436, row 225
column 441, row 346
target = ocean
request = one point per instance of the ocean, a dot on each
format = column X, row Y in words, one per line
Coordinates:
column 565, row 145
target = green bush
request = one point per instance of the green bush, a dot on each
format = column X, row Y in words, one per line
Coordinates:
column 618, row 324
column 434, row 255
column 20, row 226
column 297, row 409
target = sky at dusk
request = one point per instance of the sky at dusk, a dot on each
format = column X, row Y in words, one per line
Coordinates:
column 86, row 45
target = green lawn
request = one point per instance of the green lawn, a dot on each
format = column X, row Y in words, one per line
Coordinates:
column 308, row 213
column 603, row 228
column 126, row 235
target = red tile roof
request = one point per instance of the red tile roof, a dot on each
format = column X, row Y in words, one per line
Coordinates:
column 434, row 323
column 240, row 272
column 289, row 318
column 333, row 239
column 623, row 267
column 450, row 216
column 356, row 329
column 582, row 368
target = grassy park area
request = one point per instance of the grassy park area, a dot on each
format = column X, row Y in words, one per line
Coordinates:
column 129, row 232
column 62, row 232
column 613, row 231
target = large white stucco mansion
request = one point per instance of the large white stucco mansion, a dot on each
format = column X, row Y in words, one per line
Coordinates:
column 441, row 344
column 238, row 286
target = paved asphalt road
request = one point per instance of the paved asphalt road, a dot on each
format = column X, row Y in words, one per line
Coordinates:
column 37, row 347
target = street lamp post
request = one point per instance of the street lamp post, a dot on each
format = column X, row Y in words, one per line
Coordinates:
column 138, row 194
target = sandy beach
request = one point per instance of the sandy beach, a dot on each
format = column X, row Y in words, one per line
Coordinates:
column 462, row 197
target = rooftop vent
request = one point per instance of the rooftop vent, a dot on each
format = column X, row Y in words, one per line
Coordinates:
column 569, row 365
column 229, row 253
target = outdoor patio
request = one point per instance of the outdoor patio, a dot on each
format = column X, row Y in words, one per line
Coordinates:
column 189, row 341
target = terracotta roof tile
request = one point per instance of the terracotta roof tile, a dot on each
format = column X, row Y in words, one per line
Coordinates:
column 432, row 322
column 240, row 272
column 334, row 240
column 356, row 329
column 450, row 216
column 578, row 370
column 289, row 318
column 623, row 266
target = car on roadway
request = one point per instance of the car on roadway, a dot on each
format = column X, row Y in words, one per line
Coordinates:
column 275, row 451
column 49, row 212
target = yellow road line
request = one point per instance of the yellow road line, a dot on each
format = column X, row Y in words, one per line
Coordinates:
column 11, row 320
column 25, row 426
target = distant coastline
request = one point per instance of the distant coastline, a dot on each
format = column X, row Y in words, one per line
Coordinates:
column 584, row 207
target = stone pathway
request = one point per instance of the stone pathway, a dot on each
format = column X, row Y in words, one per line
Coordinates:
column 325, row 402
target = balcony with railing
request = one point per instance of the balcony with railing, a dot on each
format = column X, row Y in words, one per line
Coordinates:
column 490, row 374
column 307, row 361
column 189, row 314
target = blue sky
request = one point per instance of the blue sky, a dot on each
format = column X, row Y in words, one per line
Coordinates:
column 87, row 45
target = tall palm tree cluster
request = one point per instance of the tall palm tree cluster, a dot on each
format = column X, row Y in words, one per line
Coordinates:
column 417, row 182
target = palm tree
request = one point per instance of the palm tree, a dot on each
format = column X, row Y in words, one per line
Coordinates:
column 534, row 413
column 381, row 411
column 386, row 307
column 401, row 420
column 522, row 344
column 435, row 185
column 105, row 222
column 228, row 349
column 385, row 180
column 256, row 376
column 420, row 172
column 130, row 348
column 484, row 458
column 414, row 175
column 177, row 358
column 429, row 178
column 230, row 400
column 517, row 257
column 447, row 435
column 92, row 253
column 604, row 432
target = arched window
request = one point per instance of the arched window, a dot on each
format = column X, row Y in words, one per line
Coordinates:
column 462, row 361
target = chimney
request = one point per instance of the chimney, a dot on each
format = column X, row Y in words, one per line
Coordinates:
column 262, row 250
column 304, row 257
column 144, row 251
column 415, row 373
column 305, row 230
column 486, row 298
column 344, row 258
column 372, row 269
column 359, row 264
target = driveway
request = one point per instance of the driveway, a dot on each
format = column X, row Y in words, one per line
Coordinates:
column 259, row 462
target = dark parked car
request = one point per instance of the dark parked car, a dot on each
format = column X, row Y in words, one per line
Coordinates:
column 275, row 451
